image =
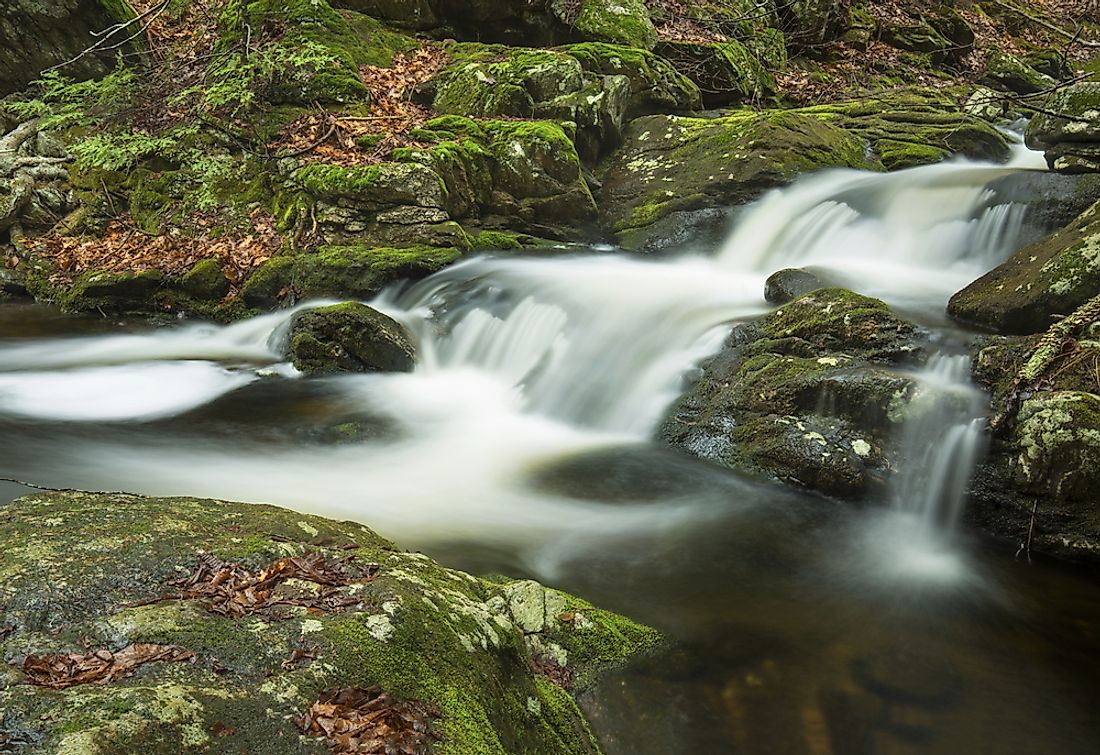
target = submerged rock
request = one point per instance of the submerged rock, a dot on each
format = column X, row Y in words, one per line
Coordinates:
column 341, row 609
column 349, row 337
column 1042, row 281
column 805, row 395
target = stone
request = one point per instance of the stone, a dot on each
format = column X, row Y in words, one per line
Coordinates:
column 349, row 337
column 803, row 395
column 110, row 565
column 725, row 72
column 37, row 34
column 1042, row 281
column 1008, row 73
column 784, row 285
column 1069, row 126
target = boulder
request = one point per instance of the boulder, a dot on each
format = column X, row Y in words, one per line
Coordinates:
column 1009, row 73
column 790, row 283
column 1069, row 129
column 809, row 24
column 655, row 84
column 726, row 72
column 359, row 271
column 137, row 625
column 671, row 165
column 1042, row 281
column 38, row 34
column 804, row 395
column 34, row 179
column 1045, row 461
column 349, row 337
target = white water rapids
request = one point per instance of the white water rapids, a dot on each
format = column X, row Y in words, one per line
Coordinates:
column 523, row 363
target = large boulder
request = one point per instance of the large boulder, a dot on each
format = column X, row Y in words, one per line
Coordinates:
column 34, row 179
column 349, row 337
column 1046, row 279
column 141, row 625
column 670, row 165
column 1068, row 129
column 37, row 34
column 1009, row 73
column 810, row 24
column 1038, row 484
column 726, row 72
column 805, row 395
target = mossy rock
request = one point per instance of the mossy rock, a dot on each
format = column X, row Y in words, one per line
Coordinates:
column 1046, row 279
column 342, row 271
column 801, row 396
column 918, row 36
column 1008, row 73
column 927, row 120
column 726, row 72
column 116, row 293
column 811, row 24
column 205, row 280
column 349, row 337
column 1069, row 129
column 655, row 84
column 623, row 22
column 419, row 631
column 671, row 164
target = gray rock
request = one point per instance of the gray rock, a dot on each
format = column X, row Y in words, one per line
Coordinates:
column 790, row 283
column 349, row 337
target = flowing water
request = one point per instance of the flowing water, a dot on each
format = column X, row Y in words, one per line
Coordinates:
column 520, row 444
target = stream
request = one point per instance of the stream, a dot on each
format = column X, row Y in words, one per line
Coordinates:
column 521, row 445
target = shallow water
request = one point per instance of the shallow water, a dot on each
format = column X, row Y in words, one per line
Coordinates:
column 520, row 445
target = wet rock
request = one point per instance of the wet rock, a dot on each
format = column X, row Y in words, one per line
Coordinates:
column 1047, row 461
column 349, row 337
column 1052, row 200
column 670, row 164
column 1069, row 129
column 805, row 395
column 1046, row 279
column 791, row 283
column 398, row 621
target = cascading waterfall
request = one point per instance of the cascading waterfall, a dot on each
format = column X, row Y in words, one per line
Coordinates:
column 523, row 362
column 942, row 443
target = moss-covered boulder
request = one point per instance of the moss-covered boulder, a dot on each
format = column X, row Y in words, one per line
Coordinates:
column 349, row 337
column 1008, row 73
column 655, row 84
column 804, row 395
column 810, row 24
column 672, row 165
column 1043, row 469
column 915, row 127
column 1042, row 281
column 341, row 271
column 38, row 34
column 726, row 72
column 623, row 22
column 255, row 612
column 1068, row 129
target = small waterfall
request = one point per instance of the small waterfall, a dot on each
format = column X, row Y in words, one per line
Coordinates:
column 942, row 441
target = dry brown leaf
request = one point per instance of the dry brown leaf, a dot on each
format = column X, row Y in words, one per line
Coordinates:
column 357, row 720
column 59, row 671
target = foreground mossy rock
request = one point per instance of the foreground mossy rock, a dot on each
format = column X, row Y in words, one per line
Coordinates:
column 804, row 395
column 359, row 271
column 1047, row 462
column 39, row 34
column 1069, row 129
column 671, row 165
column 1044, row 280
column 93, row 571
column 349, row 337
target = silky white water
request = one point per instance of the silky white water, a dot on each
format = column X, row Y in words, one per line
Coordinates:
column 523, row 363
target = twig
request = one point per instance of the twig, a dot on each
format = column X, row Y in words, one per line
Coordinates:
column 106, row 35
column 49, row 489
column 311, row 147
column 1025, row 547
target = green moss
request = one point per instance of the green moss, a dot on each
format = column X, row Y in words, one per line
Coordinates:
column 328, row 180
column 655, row 84
column 501, row 240
column 624, row 22
column 896, row 155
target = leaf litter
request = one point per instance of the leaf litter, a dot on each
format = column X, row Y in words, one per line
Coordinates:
column 358, row 720
column 228, row 589
column 100, row 666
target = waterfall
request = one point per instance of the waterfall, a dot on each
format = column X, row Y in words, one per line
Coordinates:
column 942, row 441
column 523, row 362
